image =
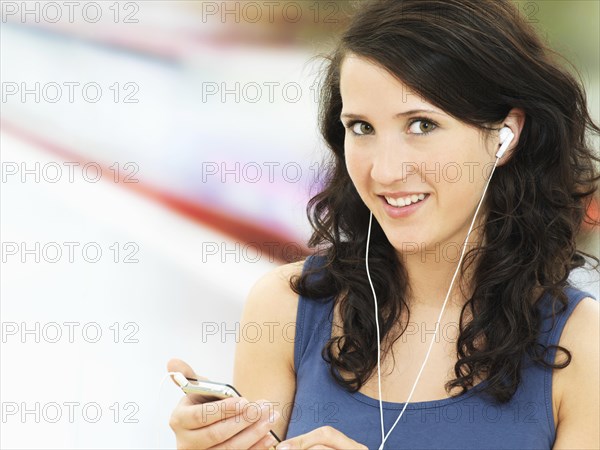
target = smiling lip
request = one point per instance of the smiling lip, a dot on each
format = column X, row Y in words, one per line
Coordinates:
column 395, row 212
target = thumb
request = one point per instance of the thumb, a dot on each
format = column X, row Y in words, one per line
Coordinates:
column 178, row 365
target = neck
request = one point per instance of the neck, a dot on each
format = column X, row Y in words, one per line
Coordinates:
column 430, row 272
column 430, row 282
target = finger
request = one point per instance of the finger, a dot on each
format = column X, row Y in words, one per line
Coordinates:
column 178, row 365
column 190, row 439
column 326, row 435
column 217, row 433
column 321, row 447
column 205, row 438
column 256, row 434
column 267, row 442
column 190, row 415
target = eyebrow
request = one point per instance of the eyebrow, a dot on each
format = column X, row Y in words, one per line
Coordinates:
column 405, row 113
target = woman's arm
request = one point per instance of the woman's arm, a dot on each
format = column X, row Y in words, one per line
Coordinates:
column 579, row 392
column 264, row 356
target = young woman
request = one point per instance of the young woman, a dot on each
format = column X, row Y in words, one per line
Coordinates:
column 412, row 106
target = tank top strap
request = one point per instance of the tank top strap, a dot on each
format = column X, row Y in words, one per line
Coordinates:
column 554, row 319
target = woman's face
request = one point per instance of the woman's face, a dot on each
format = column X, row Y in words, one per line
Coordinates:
column 395, row 149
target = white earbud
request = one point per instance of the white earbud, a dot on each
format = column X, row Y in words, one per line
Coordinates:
column 506, row 137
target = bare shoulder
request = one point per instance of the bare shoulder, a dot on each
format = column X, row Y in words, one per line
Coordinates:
column 264, row 354
column 577, row 390
column 272, row 297
column 579, row 331
column 271, row 307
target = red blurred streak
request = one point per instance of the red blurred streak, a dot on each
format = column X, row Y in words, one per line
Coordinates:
column 593, row 212
column 245, row 232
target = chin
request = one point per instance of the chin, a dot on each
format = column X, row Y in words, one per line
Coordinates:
column 410, row 246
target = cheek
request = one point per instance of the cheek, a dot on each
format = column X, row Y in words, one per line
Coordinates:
column 358, row 168
column 461, row 180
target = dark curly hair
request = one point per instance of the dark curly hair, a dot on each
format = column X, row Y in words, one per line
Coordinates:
column 488, row 60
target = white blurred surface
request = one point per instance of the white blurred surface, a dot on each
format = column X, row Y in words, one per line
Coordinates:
column 169, row 123
column 165, row 298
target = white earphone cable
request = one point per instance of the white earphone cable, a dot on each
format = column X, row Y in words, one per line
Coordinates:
column 377, row 325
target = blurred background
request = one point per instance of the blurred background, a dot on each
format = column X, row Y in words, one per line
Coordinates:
column 157, row 158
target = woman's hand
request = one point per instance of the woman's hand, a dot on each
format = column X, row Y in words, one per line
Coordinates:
column 233, row 423
column 323, row 438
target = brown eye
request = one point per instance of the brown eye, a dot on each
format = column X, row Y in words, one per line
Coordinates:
column 422, row 127
column 361, row 128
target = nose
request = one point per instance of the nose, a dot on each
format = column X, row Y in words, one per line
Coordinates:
column 392, row 162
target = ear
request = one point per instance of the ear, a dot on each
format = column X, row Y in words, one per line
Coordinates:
column 515, row 120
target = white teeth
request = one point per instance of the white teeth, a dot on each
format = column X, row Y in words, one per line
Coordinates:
column 399, row 202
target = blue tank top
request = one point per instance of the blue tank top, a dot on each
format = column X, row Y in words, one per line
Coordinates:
column 469, row 421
